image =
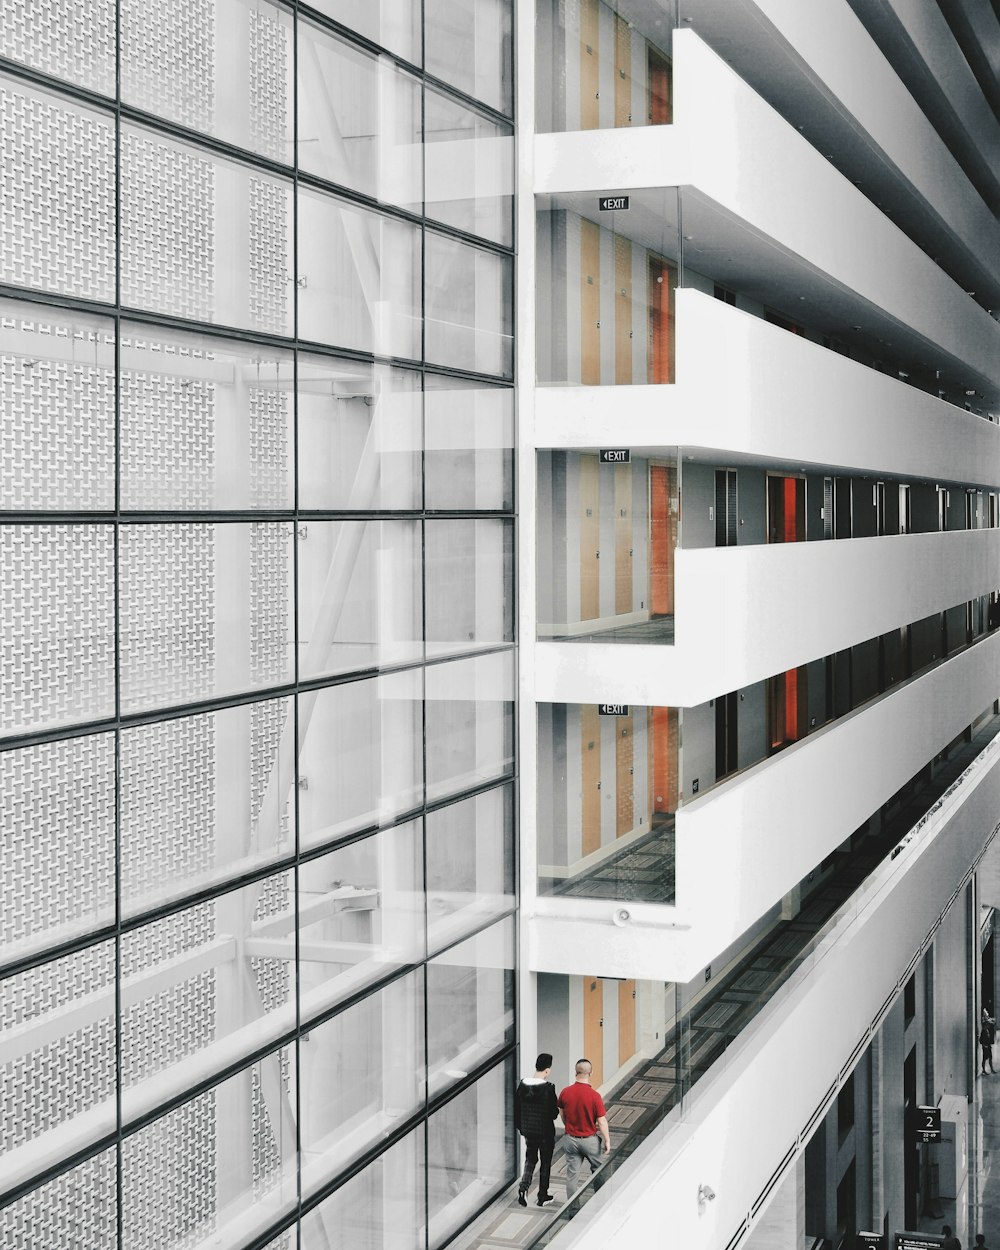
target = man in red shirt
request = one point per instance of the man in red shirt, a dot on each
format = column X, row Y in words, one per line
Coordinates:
column 581, row 1109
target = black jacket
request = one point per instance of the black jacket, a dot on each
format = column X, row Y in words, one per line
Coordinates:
column 535, row 1109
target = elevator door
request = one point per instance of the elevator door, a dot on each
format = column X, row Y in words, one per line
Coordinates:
column 590, row 303
column 590, row 539
column 624, row 771
column 623, row 538
column 593, row 1026
column 590, row 749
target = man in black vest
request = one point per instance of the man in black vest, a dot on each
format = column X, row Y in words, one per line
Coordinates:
column 535, row 1111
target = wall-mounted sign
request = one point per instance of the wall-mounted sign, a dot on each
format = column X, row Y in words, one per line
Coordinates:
column 612, row 709
column 928, row 1124
column 612, row 203
column 869, row 1241
column 918, row 1241
column 615, row 455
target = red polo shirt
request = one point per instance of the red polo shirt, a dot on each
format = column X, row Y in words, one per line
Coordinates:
column 581, row 1106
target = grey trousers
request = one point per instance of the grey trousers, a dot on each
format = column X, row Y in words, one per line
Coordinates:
column 578, row 1149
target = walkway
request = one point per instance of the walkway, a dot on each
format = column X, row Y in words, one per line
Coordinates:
column 647, row 1095
column 659, row 629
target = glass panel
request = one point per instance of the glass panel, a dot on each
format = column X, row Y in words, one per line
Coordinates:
column 57, row 1060
column 359, row 436
column 359, row 595
column 361, row 915
column 205, row 423
column 469, row 435
column 470, row 1005
column 362, row 1074
column 58, row 880
column 56, row 625
column 608, row 783
column 602, row 65
column 205, row 610
column 204, row 798
column 205, row 986
column 395, row 24
column 469, row 45
column 382, row 1206
column 57, row 392
column 469, row 169
column 359, row 119
column 70, row 39
column 468, row 307
column 204, row 237
column 470, row 1151
column 359, row 755
column 359, row 279
column 222, row 67
column 38, row 1221
column 59, row 172
column 607, row 539
column 470, row 864
column 469, row 589
column 224, row 1163
column 469, row 722
column 605, row 290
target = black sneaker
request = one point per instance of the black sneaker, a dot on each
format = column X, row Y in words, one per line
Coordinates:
column 544, row 1198
column 522, row 1201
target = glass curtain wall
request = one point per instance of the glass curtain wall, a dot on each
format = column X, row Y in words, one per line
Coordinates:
column 257, row 681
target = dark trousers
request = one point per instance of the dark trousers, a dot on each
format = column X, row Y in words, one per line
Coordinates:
column 538, row 1150
column 987, row 1056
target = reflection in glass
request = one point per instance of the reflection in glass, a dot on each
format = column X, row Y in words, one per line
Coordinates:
column 469, row 864
column 383, row 1205
column 362, row 1075
column 469, row 591
column 469, row 722
column 359, row 430
column 359, row 278
column 359, row 755
column 57, row 394
column 470, row 1005
column 57, row 642
column 394, row 24
column 223, row 67
column 361, row 915
column 359, row 595
column 468, row 456
column 607, row 537
column 205, row 610
column 604, row 297
column 599, row 68
column 203, row 798
column 224, row 1163
column 469, row 46
column 470, row 1152
column 57, row 1060
column 467, row 307
column 359, row 119
column 607, row 793
column 59, row 176
column 469, row 169
column 58, row 879
column 205, row 423
column 203, row 237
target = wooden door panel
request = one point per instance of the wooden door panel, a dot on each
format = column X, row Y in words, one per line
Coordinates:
column 624, row 762
column 590, row 749
column 623, row 72
column 623, row 538
column 593, row 1032
column 623, row 311
column 590, row 117
column 590, row 303
column 626, row 1021
column 590, row 538
column 661, row 575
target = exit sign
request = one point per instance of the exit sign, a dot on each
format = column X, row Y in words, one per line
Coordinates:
column 612, row 709
column 612, row 203
column 615, row 455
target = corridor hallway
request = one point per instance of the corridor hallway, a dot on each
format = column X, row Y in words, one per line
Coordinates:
column 641, row 1102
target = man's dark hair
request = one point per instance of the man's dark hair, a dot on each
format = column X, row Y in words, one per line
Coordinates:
column 543, row 1061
